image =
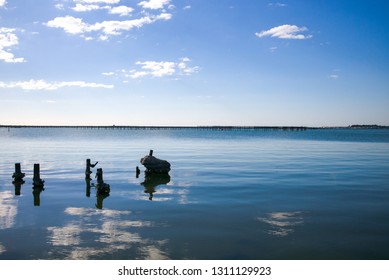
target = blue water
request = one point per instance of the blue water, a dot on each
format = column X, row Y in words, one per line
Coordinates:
column 246, row 194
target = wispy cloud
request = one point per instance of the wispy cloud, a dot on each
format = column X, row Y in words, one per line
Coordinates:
column 9, row 39
column 279, row 5
column 108, row 73
column 2, row 3
column 43, row 85
column 160, row 69
column 285, row 31
column 334, row 75
column 273, row 49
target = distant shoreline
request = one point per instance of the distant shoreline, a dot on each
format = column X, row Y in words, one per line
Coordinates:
column 217, row 127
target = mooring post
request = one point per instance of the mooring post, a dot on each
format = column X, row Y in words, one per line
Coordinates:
column 87, row 169
column 89, row 165
column 37, row 181
column 151, row 153
column 18, row 175
column 99, row 176
column 137, row 172
column 18, row 169
column 36, row 172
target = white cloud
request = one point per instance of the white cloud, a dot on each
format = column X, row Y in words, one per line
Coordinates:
column 104, row 29
column 162, row 68
column 2, row 3
column 154, row 4
column 60, row 6
column 285, row 31
column 108, row 73
column 43, row 85
column 121, row 10
column 97, row 1
column 187, row 7
column 8, row 39
column 74, row 25
column 85, row 8
column 69, row 24
column 158, row 69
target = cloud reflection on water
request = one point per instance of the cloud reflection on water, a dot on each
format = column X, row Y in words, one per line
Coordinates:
column 8, row 210
column 96, row 233
column 282, row 223
column 2, row 249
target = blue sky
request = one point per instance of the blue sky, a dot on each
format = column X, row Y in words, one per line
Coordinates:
column 194, row 62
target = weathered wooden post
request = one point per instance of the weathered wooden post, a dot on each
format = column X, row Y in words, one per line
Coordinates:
column 37, row 181
column 18, row 174
column 88, row 171
column 151, row 153
column 99, row 176
column 102, row 188
column 18, row 169
column 137, row 172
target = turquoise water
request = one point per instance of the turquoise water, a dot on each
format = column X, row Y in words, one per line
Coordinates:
column 314, row 194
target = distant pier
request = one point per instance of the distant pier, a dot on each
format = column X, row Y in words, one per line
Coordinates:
column 229, row 128
column 130, row 127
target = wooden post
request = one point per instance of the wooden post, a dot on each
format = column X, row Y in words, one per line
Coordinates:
column 18, row 175
column 137, row 172
column 87, row 169
column 151, row 153
column 36, row 172
column 18, row 169
column 37, row 181
column 99, row 176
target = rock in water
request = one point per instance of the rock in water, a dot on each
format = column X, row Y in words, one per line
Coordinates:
column 155, row 165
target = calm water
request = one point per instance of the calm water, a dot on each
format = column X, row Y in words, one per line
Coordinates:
column 315, row 194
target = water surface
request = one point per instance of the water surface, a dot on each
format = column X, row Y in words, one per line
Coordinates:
column 248, row 194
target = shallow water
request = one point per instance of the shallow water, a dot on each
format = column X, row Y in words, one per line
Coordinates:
column 264, row 194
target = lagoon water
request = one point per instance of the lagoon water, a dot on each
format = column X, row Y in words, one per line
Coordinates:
column 244, row 194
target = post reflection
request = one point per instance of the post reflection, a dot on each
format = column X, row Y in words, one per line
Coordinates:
column 36, row 192
column 18, row 186
column 102, row 189
column 152, row 181
column 88, row 187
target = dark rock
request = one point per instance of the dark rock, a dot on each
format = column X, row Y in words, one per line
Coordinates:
column 155, row 165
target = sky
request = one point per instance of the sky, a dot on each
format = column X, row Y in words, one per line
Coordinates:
column 194, row 62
